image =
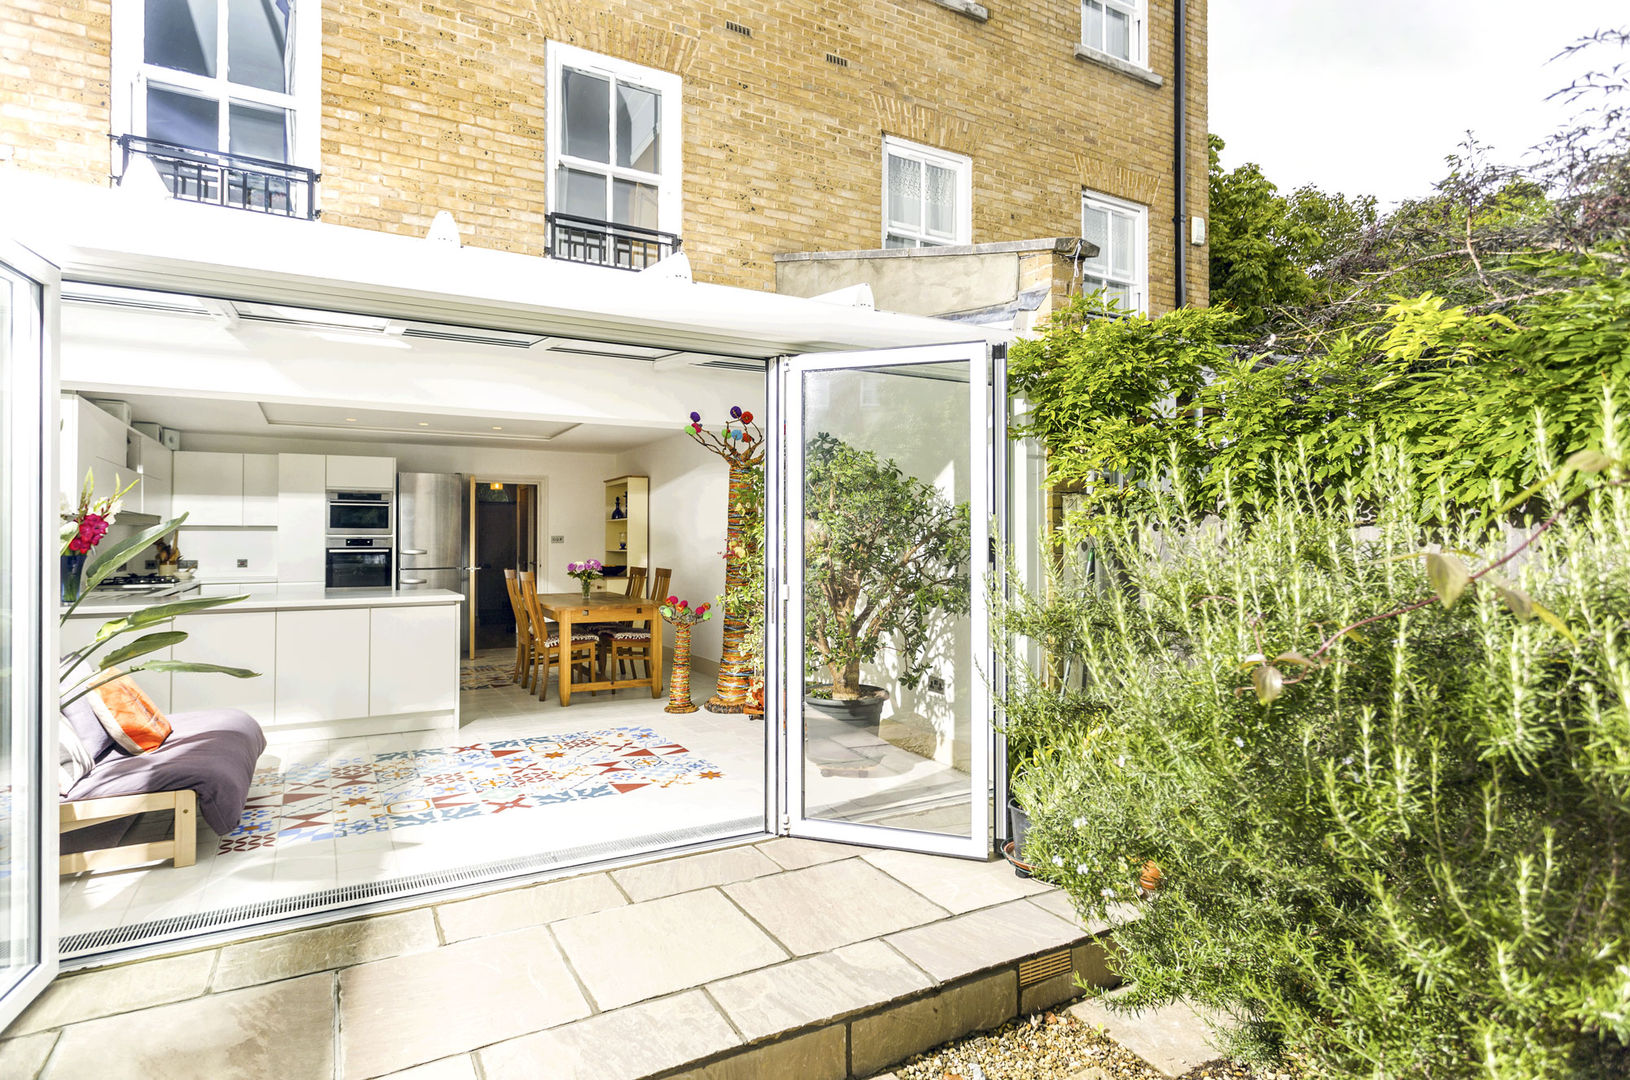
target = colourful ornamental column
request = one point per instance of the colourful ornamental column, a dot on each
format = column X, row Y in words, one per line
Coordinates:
column 679, row 678
column 741, row 444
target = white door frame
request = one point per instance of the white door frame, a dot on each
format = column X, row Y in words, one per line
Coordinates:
column 787, row 658
column 31, row 417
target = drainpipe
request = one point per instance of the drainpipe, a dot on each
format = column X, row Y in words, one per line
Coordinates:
column 1180, row 155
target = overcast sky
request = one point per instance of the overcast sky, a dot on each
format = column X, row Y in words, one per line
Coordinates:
column 1369, row 98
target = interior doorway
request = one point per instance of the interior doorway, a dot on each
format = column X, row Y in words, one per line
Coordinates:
column 503, row 536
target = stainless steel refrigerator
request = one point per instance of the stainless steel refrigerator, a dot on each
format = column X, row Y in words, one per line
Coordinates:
column 433, row 537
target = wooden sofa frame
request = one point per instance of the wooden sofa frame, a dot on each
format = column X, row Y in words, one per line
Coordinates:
column 181, row 848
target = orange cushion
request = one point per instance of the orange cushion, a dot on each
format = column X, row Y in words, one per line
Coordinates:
column 131, row 719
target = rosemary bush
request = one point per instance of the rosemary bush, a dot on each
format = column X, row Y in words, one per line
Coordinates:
column 1414, row 859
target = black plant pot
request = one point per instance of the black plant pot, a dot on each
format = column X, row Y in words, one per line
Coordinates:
column 1018, row 824
column 863, row 714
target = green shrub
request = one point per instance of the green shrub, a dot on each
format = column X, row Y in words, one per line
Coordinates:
column 1414, row 861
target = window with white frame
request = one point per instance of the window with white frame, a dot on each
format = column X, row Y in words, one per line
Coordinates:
column 1120, row 229
column 228, row 76
column 614, row 141
column 927, row 196
column 1116, row 27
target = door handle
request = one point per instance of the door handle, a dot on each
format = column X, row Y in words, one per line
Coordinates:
column 414, row 581
column 411, row 551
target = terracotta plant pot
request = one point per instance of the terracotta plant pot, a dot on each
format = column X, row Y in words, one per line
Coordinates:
column 1149, row 880
column 1020, row 867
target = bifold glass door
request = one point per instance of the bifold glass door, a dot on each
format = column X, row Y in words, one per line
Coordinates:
column 28, row 795
column 887, row 498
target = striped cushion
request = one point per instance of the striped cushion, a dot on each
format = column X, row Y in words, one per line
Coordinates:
column 632, row 635
column 553, row 642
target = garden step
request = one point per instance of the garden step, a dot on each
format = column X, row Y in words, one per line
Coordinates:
column 1172, row 1039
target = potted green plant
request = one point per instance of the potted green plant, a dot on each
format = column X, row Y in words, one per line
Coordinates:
column 884, row 554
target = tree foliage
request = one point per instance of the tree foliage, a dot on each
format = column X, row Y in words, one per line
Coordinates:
column 1412, row 860
column 884, row 554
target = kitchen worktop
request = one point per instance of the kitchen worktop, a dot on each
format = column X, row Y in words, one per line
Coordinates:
column 275, row 598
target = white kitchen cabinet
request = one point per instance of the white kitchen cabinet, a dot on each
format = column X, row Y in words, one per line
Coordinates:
column 351, row 473
column 90, row 439
column 413, row 659
column 208, row 487
column 260, row 489
column 106, row 475
column 147, row 455
column 155, row 496
column 246, row 639
column 302, row 518
column 322, row 655
column 79, row 630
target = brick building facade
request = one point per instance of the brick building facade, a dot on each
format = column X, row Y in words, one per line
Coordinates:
column 783, row 113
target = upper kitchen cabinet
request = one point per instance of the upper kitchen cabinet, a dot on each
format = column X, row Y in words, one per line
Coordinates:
column 349, row 473
column 152, row 461
column 92, row 441
column 302, row 518
column 225, row 489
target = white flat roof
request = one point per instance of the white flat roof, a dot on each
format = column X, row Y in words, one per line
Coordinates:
column 122, row 237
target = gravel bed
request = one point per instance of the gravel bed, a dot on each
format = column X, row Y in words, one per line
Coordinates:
column 1052, row 1046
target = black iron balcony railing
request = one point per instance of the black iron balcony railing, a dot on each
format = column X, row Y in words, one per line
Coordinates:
column 605, row 243
column 209, row 176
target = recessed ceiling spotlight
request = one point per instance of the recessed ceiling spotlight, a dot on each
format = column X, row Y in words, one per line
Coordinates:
column 424, row 423
column 495, row 427
column 350, row 419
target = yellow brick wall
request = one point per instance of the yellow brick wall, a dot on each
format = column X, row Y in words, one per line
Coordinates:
column 440, row 105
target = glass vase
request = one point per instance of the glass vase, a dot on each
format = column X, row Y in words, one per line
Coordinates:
column 587, row 585
column 73, row 566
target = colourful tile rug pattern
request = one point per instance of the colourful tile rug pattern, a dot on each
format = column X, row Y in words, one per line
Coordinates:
column 350, row 796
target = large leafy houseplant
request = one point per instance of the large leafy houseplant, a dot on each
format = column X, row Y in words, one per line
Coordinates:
column 76, row 683
column 884, row 554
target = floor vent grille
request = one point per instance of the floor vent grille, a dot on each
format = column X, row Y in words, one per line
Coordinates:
column 738, row 28
column 1041, row 968
column 100, row 942
column 833, row 58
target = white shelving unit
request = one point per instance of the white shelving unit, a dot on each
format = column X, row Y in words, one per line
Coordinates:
column 628, row 539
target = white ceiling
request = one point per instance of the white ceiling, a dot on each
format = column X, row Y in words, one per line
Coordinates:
column 327, row 424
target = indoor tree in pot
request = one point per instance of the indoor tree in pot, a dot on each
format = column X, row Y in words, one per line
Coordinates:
column 884, row 554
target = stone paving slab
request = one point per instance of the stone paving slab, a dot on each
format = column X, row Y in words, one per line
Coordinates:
column 534, row 905
column 623, row 1044
column 640, row 951
column 957, row 885
column 22, row 1058
column 792, row 853
column 648, row 881
column 831, row 905
column 894, row 1034
column 1173, row 1038
column 816, row 989
column 952, row 948
column 416, row 1008
column 76, row 998
column 453, row 1068
column 344, row 944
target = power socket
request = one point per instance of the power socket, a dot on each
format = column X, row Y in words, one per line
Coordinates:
column 243, row 564
column 936, row 685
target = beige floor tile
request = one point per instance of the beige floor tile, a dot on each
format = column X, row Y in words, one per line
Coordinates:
column 22, row 1058
column 828, row 906
column 957, row 885
column 983, row 939
column 281, row 1031
column 816, row 989
column 623, row 1044
column 453, row 1068
column 413, row 1009
column 795, row 854
column 535, row 905
column 628, row 954
column 651, row 880
column 326, row 948
column 73, row 998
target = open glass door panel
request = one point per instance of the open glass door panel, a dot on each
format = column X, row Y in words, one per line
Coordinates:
column 887, row 503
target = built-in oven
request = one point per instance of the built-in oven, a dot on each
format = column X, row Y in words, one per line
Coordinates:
column 359, row 562
column 360, row 513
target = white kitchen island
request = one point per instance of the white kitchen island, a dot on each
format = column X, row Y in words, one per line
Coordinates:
column 333, row 663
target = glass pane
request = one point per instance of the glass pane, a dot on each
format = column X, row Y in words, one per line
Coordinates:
column 261, row 133
column 257, row 37
column 634, row 204
column 1092, row 25
column 181, row 34
column 941, row 202
column 905, row 193
column 888, row 736
column 1123, row 262
column 183, row 119
column 1095, row 230
column 639, row 128
column 586, row 116
column 1118, row 34
column 581, row 193
column 893, row 241
column 20, row 942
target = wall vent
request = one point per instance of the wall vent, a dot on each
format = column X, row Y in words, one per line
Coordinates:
column 737, row 28
column 1040, row 968
column 833, row 58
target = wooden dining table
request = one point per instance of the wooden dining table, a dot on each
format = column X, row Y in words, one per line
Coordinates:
column 567, row 608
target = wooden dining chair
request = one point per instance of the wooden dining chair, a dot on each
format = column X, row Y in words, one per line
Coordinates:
column 636, row 582
column 549, row 650
column 523, row 629
column 633, row 645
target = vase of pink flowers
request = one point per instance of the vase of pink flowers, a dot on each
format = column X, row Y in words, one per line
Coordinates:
column 586, row 573
column 83, row 527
